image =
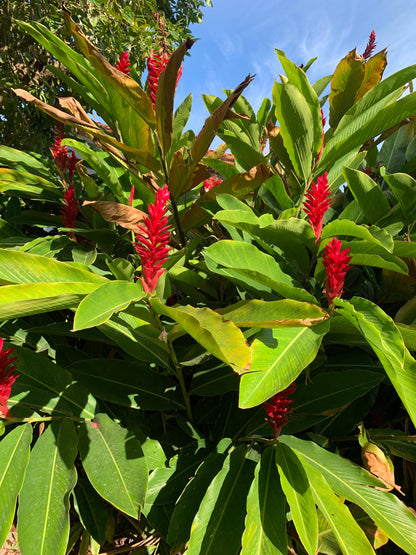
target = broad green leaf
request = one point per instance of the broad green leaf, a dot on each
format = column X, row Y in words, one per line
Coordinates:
column 100, row 304
column 273, row 191
column 404, row 189
column 274, row 314
column 358, row 486
column 347, row 228
column 104, row 167
column 385, row 339
column 332, row 391
column 345, row 84
column 393, row 152
column 19, row 160
column 138, row 338
column 370, row 123
column 321, row 84
column 36, row 298
column 14, row 456
column 91, row 509
column 220, row 337
column 165, row 95
column 245, row 154
column 219, row 522
column 188, row 503
column 296, row 127
column 370, row 197
column 49, row 387
column 28, row 185
column 126, row 383
column 279, row 356
column 297, row 77
column 121, row 476
column 350, row 537
column 246, row 264
column 22, row 267
column 265, row 525
column 43, row 515
column 180, row 119
column 297, row 489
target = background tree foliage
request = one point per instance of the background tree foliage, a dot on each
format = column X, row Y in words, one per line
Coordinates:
column 114, row 25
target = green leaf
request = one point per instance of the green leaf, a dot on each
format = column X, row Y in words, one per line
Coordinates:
column 347, row 228
column 297, row 77
column 36, row 298
column 274, row 314
column 332, row 391
column 404, row 189
column 296, row 127
column 19, row 160
column 14, row 456
column 385, row 339
column 189, row 501
column 374, row 69
column 100, row 304
column 246, row 264
column 350, row 537
column 48, row 387
column 279, row 356
column 91, row 509
column 219, row 522
column 126, row 383
column 121, row 476
column 27, row 185
column 220, row 337
column 370, row 197
column 22, row 267
column 345, row 84
column 358, row 486
column 43, row 515
column 297, row 489
column 265, row 525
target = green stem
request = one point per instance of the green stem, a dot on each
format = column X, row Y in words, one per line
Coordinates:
column 176, row 364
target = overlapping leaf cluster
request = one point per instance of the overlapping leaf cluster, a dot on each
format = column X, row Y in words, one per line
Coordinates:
column 138, row 417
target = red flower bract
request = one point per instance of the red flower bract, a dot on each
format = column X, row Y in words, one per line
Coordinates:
column 371, row 45
column 152, row 242
column 278, row 409
column 156, row 63
column 317, row 203
column 210, row 183
column 123, row 63
column 7, row 379
column 59, row 152
column 337, row 264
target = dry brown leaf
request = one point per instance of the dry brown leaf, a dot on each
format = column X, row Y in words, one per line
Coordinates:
column 72, row 105
column 121, row 214
column 378, row 466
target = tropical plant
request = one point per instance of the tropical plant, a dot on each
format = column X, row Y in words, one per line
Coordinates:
column 189, row 361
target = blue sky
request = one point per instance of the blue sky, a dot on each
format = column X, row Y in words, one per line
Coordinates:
column 239, row 37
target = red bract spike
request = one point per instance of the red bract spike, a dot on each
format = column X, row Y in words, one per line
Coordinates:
column 152, row 241
column 157, row 63
column 278, row 409
column 123, row 63
column 337, row 264
column 210, row 183
column 69, row 209
column 59, row 152
column 71, row 164
column 371, row 45
column 7, row 379
column 317, row 203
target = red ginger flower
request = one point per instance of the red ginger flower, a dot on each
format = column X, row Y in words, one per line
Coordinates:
column 69, row 208
column 123, row 63
column 210, row 183
column 7, row 379
column 317, row 203
column 278, row 409
column 371, row 45
column 59, row 152
column 156, row 63
column 152, row 245
column 337, row 264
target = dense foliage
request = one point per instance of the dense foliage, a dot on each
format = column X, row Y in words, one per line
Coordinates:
column 203, row 351
column 116, row 25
